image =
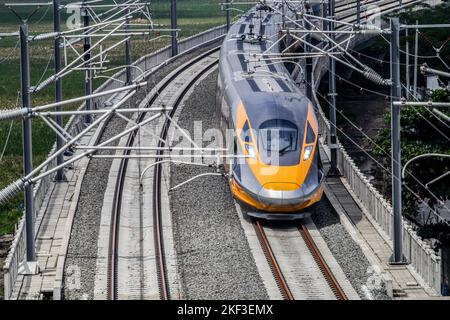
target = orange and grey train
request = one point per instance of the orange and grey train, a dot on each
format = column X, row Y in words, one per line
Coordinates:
column 275, row 164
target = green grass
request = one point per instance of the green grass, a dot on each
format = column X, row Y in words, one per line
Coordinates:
column 193, row 17
column 11, row 164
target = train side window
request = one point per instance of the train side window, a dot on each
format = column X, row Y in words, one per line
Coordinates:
column 245, row 134
column 310, row 135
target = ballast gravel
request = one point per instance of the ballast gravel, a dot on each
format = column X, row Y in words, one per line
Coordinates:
column 214, row 258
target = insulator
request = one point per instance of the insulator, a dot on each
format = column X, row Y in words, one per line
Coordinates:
column 11, row 114
column 11, row 191
column 373, row 76
column 44, row 36
column 44, row 84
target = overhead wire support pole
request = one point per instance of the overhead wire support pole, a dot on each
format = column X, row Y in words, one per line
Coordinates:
column 333, row 93
column 19, row 185
column 308, row 75
column 228, row 13
column 128, row 50
column 396, row 91
column 58, row 86
column 87, row 58
column 324, row 16
column 416, row 58
column 173, row 25
column 30, row 265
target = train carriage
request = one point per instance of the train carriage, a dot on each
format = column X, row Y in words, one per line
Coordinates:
column 276, row 168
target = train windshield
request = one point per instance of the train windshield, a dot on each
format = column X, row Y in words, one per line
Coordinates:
column 278, row 136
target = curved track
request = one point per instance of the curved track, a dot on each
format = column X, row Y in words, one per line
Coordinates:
column 113, row 288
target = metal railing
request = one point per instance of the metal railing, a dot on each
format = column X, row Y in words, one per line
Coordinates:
column 75, row 125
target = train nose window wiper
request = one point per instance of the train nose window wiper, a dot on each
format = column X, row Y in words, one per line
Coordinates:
column 287, row 148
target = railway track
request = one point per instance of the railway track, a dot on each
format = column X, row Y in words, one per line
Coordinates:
column 322, row 270
column 159, row 243
column 292, row 264
column 170, row 84
column 346, row 10
column 343, row 12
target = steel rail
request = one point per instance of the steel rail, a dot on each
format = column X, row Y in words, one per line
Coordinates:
column 321, row 263
column 306, row 236
column 272, row 260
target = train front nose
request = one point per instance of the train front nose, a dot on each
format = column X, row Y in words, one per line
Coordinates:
column 287, row 194
column 280, row 194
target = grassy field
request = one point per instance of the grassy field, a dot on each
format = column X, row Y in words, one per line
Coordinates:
column 193, row 17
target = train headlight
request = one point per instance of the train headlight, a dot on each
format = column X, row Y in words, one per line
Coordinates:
column 307, row 153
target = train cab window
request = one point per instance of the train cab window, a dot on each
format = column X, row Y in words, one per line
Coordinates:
column 310, row 135
column 245, row 134
column 278, row 136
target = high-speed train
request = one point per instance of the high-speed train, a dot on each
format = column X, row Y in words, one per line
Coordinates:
column 275, row 165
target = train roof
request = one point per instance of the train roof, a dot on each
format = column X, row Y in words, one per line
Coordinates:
column 270, row 75
column 286, row 106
